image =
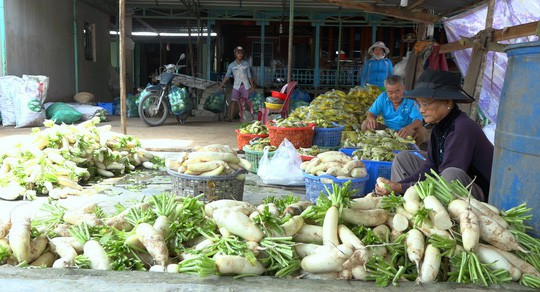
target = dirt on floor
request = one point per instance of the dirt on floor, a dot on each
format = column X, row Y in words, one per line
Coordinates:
column 200, row 130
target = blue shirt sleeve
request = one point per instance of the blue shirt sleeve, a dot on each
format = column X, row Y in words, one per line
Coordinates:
column 229, row 71
column 365, row 73
column 377, row 107
column 415, row 114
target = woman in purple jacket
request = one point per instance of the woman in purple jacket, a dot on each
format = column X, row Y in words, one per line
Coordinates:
column 458, row 148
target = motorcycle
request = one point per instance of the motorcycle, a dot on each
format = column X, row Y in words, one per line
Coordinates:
column 155, row 107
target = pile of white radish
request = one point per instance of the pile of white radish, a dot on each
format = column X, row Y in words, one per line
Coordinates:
column 211, row 160
column 335, row 164
column 61, row 156
column 383, row 239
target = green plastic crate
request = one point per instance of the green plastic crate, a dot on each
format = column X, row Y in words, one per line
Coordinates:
column 254, row 157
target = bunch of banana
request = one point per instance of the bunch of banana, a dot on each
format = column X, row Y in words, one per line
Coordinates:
column 288, row 123
column 258, row 144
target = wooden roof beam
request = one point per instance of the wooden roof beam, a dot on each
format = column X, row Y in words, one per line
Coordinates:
column 508, row 33
column 401, row 13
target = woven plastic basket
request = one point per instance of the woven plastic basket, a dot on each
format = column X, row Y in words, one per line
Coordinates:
column 315, row 185
column 377, row 169
column 254, row 157
column 213, row 187
column 328, row 137
column 243, row 139
column 299, row 137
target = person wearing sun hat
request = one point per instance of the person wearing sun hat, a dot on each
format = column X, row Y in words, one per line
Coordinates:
column 378, row 67
column 458, row 148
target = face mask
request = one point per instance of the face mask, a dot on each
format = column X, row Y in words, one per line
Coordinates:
column 379, row 57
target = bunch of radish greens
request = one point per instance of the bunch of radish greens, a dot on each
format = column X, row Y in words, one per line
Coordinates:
column 435, row 232
column 63, row 156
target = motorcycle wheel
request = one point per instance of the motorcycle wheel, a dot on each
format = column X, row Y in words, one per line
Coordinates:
column 151, row 114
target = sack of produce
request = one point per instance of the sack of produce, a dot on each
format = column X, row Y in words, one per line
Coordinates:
column 215, row 102
column 43, row 82
column 296, row 103
column 180, row 101
column 62, row 113
column 132, row 108
column 274, row 100
column 299, row 94
column 283, row 168
column 257, row 99
column 9, row 89
column 29, row 110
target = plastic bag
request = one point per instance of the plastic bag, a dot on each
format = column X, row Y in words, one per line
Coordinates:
column 283, row 168
column 29, row 109
column 179, row 100
column 299, row 94
column 63, row 113
column 215, row 103
column 257, row 99
column 10, row 86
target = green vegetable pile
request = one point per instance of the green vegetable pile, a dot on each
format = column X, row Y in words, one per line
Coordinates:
column 255, row 128
column 258, row 144
column 288, row 123
column 378, row 145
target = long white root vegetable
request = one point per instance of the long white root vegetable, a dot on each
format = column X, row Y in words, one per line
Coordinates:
column 366, row 203
column 37, row 247
column 99, row 260
column 496, row 235
column 348, row 237
column 431, row 265
column 19, row 239
column 236, row 265
column 516, row 261
column 438, row 213
column 411, row 200
column 415, row 246
column 220, row 204
column 400, row 223
column 330, row 227
column 153, row 242
column 292, row 226
column 238, row 224
column 488, row 256
column 327, row 261
column 354, row 266
column 309, row 234
column 305, row 249
column 470, row 231
column 46, row 259
column 367, row 218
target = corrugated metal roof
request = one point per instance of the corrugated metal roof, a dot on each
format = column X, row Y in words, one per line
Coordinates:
column 240, row 4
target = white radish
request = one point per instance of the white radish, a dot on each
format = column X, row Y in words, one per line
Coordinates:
column 19, row 239
column 292, row 226
column 415, row 246
column 212, row 206
column 99, row 260
column 172, row 268
column 327, row 261
column 83, row 215
column 157, row 268
column 62, row 248
column 238, row 224
column 153, row 242
column 37, row 247
column 236, row 265
column 272, row 208
column 429, row 231
column 402, row 211
column 365, row 217
column 330, row 224
column 134, row 242
column 297, row 208
column 120, row 222
column 488, row 256
column 382, row 231
column 487, row 211
column 305, row 249
column 496, row 235
column 46, row 259
column 411, row 200
column 431, row 265
column 309, row 234
column 358, row 259
column 522, row 265
column 400, row 223
column 438, row 213
column 470, row 231
column 366, row 203
column 162, row 225
column 348, row 237
column 455, row 208
column 492, row 208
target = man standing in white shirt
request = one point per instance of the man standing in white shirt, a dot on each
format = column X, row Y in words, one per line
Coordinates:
column 243, row 81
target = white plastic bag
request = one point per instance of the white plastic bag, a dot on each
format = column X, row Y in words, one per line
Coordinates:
column 10, row 86
column 283, row 168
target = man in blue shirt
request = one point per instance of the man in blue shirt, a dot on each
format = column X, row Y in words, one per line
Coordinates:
column 399, row 114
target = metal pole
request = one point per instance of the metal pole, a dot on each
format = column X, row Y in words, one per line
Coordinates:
column 262, row 75
column 291, row 27
column 122, row 49
column 316, row 72
column 373, row 33
column 75, row 46
column 208, row 49
column 339, row 54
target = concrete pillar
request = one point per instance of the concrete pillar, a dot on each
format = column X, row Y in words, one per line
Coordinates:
column 316, row 72
column 262, row 75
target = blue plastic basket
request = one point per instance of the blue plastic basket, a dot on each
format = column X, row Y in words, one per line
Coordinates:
column 377, row 169
column 314, row 186
column 348, row 151
column 328, row 137
column 107, row 106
